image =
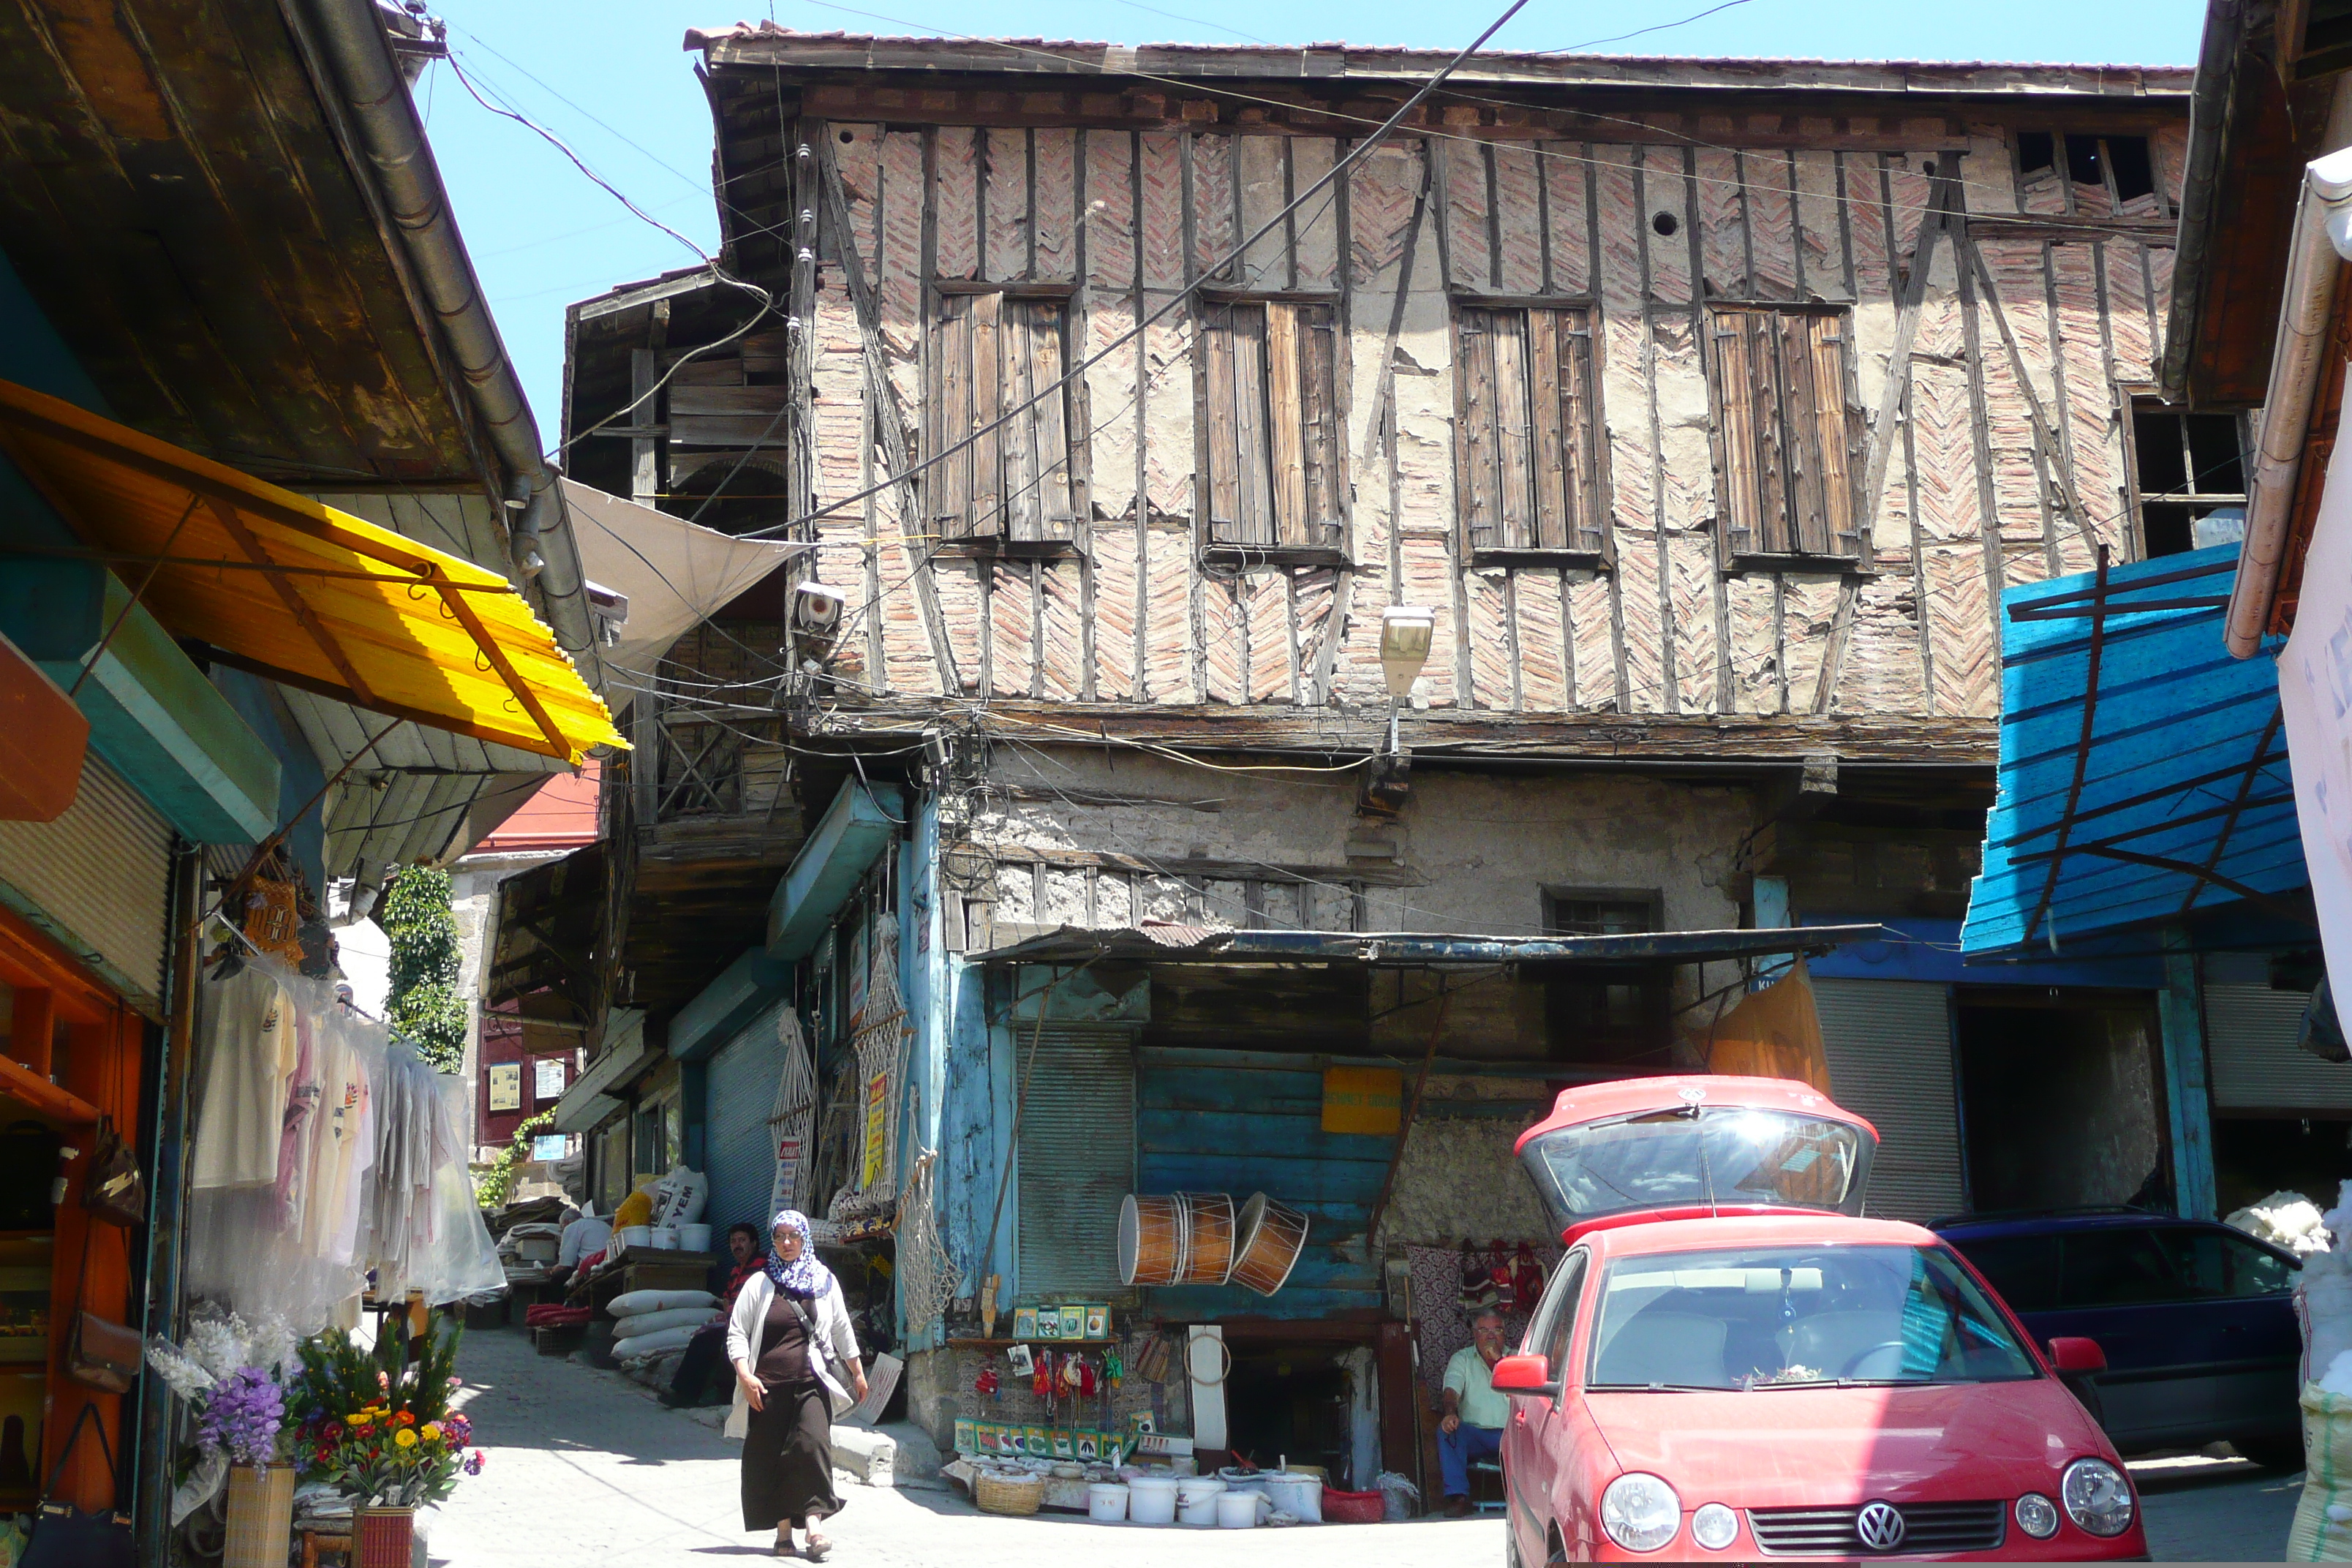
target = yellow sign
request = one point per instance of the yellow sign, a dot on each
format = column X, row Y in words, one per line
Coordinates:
column 1362, row 1099
column 878, row 1126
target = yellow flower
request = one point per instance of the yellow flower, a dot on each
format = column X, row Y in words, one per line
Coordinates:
column 433, row 1431
column 405, row 1438
column 359, row 1420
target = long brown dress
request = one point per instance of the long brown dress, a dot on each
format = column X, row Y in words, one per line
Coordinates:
column 788, row 1451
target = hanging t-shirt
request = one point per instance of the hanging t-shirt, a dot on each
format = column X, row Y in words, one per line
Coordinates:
column 248, row 1057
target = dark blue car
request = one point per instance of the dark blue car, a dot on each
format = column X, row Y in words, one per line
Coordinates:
column 2197, row 1320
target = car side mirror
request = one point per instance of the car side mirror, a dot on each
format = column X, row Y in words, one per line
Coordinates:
column 2070, row 1354
column 1524, row 1374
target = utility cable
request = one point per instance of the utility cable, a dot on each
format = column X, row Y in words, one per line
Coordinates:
column 1180, row 296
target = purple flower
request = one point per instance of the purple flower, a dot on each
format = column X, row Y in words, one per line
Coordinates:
column 474, row 1465
column 242, row 1416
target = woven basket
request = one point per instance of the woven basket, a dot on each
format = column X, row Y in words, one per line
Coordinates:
column 260, row 1516
column 1007, row 1494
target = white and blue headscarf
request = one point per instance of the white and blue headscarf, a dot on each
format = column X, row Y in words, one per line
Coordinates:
column 803, row 1277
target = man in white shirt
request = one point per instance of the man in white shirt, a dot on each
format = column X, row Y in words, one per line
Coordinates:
column 1472, row 1428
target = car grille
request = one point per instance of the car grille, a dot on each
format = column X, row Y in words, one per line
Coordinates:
column 1927, row 1528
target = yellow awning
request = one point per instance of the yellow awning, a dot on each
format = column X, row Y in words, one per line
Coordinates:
column 301, row 592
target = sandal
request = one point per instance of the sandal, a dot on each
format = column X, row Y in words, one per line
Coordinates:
column 818, row 1546
column 785, row 1546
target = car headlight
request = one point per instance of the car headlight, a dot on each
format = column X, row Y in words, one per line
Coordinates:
column 1640, row 1512
column 1715, row 1526
column 2037, row 1516
column 2096, row 1497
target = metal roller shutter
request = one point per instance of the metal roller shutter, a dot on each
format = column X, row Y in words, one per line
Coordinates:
column 741, row 1088
column 2253, row 1060
column 1890, row 1051
column 1077, row 1154
column 98, row 879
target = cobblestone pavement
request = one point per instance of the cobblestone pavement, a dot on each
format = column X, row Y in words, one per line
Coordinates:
column 585, row 1468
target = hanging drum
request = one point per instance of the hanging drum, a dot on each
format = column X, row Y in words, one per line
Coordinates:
column 1273, row 1234
column 1151, row 1240
column 1209, row 1234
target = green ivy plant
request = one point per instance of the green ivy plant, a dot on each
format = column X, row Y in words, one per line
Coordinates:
column 425, row 1006
column 491, row 1187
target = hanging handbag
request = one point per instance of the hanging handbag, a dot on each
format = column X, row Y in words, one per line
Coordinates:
column 100, row 1354
column 64, row 1536
column 112, row 1186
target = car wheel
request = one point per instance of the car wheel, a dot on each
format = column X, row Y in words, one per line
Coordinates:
column 2282, row 1452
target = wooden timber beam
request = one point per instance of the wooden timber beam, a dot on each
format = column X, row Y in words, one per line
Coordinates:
column 1768, row 738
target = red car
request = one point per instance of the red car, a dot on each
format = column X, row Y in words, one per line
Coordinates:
column 1731, row 1361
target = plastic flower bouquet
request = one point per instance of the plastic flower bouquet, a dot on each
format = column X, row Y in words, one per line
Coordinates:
column 378, row 1426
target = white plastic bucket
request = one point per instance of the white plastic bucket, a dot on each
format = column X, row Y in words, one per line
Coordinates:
column 1196, row 1499
column 1106, row 1502
column 1238, row 1510
column 636, row 1236
column 694, row 1237
column 1298, row 1495
column 665, row 1237
column 1151, row 1499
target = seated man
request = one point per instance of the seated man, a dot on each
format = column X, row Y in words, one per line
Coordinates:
column 1473, row 1425
column 706, row 1354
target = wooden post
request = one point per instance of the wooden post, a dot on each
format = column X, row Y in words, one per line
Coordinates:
column 2188, row 1103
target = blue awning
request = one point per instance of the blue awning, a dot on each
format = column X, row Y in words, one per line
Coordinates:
column 2142, row 769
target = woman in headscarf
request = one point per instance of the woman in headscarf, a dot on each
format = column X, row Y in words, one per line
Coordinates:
column 789, row 1339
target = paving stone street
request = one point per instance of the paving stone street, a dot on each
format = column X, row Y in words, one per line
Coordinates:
column 584, row 1466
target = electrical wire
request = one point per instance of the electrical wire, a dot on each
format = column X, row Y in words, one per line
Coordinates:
column 1642, row 32
column 1176, row 297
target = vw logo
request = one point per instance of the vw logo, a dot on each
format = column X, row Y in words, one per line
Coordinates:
column 1880, row 1525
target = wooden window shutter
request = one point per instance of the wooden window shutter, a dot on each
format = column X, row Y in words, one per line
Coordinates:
column 1320, row 436
column 1564, row 464
column 1475, row 441
column 948, row 419
column 1840, row 428
column 1808, row 503
column 1503, row 448
column 1735, row 421
column 1036, row 442
column 1241, row 489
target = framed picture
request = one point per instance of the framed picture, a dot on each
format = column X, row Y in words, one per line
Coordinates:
column 547, row 1078
column 506, row 1085
column 1024, row 1366
column 1098, row 1321
column 1074, row 1323
column 1049, row 1322
column 1025, row 1322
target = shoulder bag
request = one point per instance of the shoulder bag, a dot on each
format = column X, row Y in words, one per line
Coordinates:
column 100, row 1354
column 112, row 1187
column 64, row 1536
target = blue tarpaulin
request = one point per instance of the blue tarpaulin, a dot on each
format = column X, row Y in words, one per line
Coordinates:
column 2142, row 769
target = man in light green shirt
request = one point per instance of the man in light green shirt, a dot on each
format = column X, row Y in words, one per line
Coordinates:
column 1473, row 1425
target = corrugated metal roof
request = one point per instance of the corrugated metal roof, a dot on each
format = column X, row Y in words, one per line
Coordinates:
column 2166, row 792
column 728, row 46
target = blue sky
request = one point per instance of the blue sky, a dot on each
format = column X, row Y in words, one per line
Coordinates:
column 611, row 78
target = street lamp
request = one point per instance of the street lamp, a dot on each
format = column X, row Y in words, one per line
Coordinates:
column 1405, row 632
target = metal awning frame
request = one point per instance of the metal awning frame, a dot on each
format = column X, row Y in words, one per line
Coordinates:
column 2094, row 602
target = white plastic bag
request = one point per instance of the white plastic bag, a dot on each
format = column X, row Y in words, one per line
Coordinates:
column 638, row 1301
column 679, row 1198
column 638, row 1323
column 651, row 1344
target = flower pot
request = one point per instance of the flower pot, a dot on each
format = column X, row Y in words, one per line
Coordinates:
column 260, row 1516
column 384, row 1536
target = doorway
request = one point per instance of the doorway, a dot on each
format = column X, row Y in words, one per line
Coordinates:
column 2062, row 1098
column 1292, row 1403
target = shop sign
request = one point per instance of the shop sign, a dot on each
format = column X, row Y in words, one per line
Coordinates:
column 878, row 1118
column 788, row 1168
column 506, row 1085
column 1362, row 1099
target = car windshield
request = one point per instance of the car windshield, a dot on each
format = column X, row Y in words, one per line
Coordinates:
column 1783, row 1317
column 1695, row 1155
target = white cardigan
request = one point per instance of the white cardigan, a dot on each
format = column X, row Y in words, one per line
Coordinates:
column 834, row 1343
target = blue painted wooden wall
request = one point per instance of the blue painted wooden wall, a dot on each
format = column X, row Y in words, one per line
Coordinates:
column 1246, row 1122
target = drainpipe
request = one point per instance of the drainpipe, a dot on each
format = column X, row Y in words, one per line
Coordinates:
column 2321, row 243
column 351, row 37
